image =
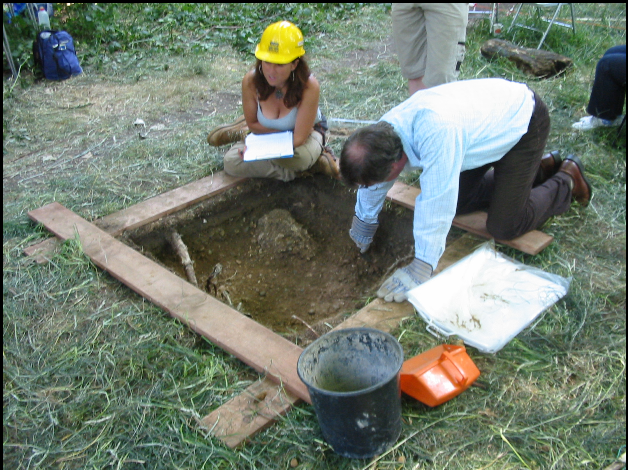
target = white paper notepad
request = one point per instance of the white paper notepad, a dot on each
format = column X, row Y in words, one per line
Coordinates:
column 268, row 146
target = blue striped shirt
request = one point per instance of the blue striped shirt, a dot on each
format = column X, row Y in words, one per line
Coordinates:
column 445, row 130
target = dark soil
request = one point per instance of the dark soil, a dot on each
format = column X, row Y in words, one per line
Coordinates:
column 281, row 252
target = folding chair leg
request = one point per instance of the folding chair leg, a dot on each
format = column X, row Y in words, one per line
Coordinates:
column 542, row 17
column 514, row 20
column 550, row 25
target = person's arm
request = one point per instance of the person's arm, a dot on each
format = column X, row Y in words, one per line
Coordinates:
column 435, row 207
column 306, row 114
column 370, row 201
column 249, row 106
column 369, row 204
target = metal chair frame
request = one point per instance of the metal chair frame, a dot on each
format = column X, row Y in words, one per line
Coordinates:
column 551, row 22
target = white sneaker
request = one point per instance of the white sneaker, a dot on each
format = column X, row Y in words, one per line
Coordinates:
column 591, row 122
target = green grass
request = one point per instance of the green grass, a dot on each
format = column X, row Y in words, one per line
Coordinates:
column 95, row 377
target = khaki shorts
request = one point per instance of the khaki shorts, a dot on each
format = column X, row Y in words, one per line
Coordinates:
column 429, row 40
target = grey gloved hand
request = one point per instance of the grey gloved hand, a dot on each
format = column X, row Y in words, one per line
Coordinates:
column 362, row 233
column 396, row 287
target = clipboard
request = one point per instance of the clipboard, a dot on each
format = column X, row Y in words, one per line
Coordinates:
column 268, row 146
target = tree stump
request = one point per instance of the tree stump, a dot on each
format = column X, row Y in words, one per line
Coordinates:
column 542, row 64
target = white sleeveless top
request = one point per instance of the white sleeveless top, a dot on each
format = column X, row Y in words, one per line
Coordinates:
column 285, row 123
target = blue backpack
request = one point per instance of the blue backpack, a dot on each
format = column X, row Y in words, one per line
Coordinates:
column 54, row 52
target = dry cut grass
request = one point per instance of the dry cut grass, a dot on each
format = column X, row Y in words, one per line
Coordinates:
column 97, row 377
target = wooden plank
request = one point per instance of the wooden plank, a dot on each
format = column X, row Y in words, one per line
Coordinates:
column 256, row 408
column 403, row 194
column 252, row 343
column 384, row 316
column 239, row 419
column 531, row 243
column 167, row 203
column 42, row 252
column 147, row 211
column 264, row 401
column 242, row 417
column 261, row 403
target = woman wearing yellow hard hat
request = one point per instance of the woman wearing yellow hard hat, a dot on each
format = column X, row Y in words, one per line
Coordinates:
column 279, row 94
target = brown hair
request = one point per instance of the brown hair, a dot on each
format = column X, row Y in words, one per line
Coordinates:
column 369, row 153
column 296, row 83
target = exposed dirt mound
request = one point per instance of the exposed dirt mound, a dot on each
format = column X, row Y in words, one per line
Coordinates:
column 278, row 232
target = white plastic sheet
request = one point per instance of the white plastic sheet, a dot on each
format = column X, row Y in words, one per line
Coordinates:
column 486, row 298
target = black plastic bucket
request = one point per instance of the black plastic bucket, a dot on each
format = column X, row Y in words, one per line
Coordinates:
column 353, row 379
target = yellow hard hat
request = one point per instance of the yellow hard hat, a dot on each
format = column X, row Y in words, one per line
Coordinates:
column 281, row 43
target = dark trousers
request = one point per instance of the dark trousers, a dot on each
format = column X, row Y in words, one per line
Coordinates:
column 514, row 205
column 609, row 87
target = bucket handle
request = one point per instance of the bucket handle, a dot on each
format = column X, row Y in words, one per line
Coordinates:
column 462, row 381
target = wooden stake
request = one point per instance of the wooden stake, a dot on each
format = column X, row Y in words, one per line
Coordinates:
column 177, row 243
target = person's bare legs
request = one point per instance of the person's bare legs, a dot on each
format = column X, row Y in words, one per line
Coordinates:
column 415, row 84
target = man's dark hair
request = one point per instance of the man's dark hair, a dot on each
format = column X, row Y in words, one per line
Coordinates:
column 369, row 153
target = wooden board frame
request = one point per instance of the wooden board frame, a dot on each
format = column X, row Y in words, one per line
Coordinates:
column 148, row 211
column 263, row 402
column 254, row 344
column 167, row 203
column 266, row 400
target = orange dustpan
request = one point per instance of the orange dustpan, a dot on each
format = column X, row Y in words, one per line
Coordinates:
column 438, row 375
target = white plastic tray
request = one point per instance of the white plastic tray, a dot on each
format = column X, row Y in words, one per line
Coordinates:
column 486, row 298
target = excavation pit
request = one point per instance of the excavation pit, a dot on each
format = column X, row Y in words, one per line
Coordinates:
column 280, row 253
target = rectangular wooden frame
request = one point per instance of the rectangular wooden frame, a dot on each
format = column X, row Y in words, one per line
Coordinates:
column 268, row 353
